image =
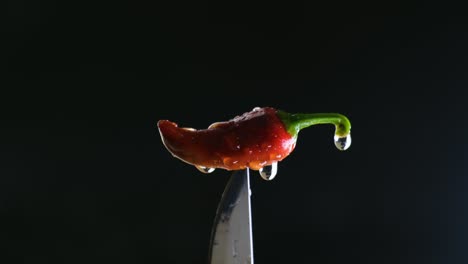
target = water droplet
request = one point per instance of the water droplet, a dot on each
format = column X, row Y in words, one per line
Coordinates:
column 257, row 165
column 229, row 161
column 205, row 169
column 343, row 143
column 268, row 173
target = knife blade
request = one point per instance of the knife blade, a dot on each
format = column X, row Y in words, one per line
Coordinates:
column 231, row 235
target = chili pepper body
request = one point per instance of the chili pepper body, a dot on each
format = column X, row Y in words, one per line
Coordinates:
column 253, row 140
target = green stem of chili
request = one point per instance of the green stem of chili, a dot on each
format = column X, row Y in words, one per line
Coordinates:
column 295, row 122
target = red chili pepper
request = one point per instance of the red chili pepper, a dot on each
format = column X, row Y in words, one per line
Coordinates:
column 255, row 139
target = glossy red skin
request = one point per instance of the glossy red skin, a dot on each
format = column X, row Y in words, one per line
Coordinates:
column 254, row 140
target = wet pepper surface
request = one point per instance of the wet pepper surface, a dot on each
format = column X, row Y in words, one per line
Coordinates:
column 252, row 140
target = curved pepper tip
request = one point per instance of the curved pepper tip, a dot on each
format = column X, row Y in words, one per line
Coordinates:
column 170, row 136
column 165, row 127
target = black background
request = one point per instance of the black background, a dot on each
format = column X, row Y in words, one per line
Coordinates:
column 84, row 177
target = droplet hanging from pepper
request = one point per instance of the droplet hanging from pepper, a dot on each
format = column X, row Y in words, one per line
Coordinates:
column 256, row 139
column 268, row 173
column 205, row 169
column 343, row 143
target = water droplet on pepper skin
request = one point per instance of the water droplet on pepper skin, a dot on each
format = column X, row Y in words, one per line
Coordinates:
column 257, row 165
column 269, row 172
column 205, row 169
column 229, row 161
column 343, row 143
column 274, row 156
